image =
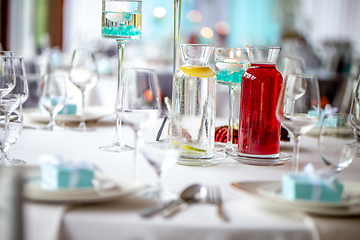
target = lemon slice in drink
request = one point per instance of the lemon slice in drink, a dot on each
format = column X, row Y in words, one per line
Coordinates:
column 190, row 148
column 198, row 71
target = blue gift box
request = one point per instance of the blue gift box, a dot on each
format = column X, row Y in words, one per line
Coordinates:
column 307, row 188
column 57, row 173
column 68, row 109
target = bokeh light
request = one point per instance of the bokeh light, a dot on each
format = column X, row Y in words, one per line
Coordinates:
column 194, row 16
column 159, row 12
column 222, row 27
column 207, row 32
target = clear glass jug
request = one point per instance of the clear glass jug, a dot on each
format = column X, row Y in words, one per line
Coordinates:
column 259, row 130
column 194, row 97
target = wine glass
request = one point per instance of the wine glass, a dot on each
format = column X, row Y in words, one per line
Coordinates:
column 140, row 106
column 52, row 97
column 231, row 64
column 7, row 74
column 10, row 125
column 292, row 65
column 298, row 107
column 15, row 127
column 121, row 20
column 84, row 75
column 337, row 145
column 162, row 155
column 22, row 89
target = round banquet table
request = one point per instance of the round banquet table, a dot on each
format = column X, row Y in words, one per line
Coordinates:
column 120, row 218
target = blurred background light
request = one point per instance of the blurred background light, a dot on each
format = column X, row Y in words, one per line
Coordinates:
column 206, row 32
column 194, row 16
column 159, row 12
column 222, row 27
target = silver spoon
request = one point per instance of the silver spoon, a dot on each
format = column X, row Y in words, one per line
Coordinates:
column 193, row 194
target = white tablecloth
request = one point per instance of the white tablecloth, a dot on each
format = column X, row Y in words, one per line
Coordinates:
column 120, row 219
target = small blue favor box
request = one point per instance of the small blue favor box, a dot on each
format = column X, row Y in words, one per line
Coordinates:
column 304, row 187
column 60, row 176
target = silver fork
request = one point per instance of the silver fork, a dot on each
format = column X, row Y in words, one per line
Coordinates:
column 214, row 196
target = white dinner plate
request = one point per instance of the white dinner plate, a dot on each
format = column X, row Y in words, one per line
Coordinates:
column 113, row 188
column 92, row 113
column 269, row 193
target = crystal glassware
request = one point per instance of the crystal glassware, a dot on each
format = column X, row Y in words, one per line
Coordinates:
column 84, row 75
column 231, row 64
column 52, row 97
column 194, row 98
column 7, row 74
column 259, row 130
column 162, row 155
column 14, row 130
column 140, row 105
column 21, row 89
column 337, row 143
column 121, row 20
column 11, row 125
column 298, row 108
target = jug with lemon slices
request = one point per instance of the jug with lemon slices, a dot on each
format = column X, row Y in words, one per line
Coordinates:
column 194, row 97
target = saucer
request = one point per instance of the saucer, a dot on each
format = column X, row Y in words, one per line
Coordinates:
column 283, row 157
column 218, row 157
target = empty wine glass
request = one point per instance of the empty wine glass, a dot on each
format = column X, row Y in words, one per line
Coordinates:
column 140, row 106
column 84, row 75
column 337, row 145
column 52, row 97
column 298, row 108
column 162, row 155
column 7, row 74
column 10, row 125
column 14, row 129
column 21, row 89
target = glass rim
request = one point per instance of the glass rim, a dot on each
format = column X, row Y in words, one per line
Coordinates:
column 302, row 75
column 122, row 0
column 226, row 48
column 141, row 69
column 263, row 47
column 196, row 44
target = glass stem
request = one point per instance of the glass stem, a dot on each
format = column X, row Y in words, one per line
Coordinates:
column 52, row 122
column 82, row 119
column 138, row 134
column 295, row 166
column 121, row 46
column 6, row 127
column 177, row 14
column 4, row 161
column 229, row 141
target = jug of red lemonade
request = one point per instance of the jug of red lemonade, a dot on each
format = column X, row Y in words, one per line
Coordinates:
column 193, row 99
column 259, row 130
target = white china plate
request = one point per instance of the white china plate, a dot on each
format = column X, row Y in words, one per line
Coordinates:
column 283, row 157
column 92, row 113
column 35, row 190
column 269, row 193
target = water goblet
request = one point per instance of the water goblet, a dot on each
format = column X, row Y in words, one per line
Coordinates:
column 298, row 108
column 10, row 126
column 337, row 141
column 52, row 97
column 121, row 20
column 140, row 106
column 84, row 75
column 231, row 64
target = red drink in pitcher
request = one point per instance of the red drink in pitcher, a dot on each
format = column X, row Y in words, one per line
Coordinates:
column 259, row 130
